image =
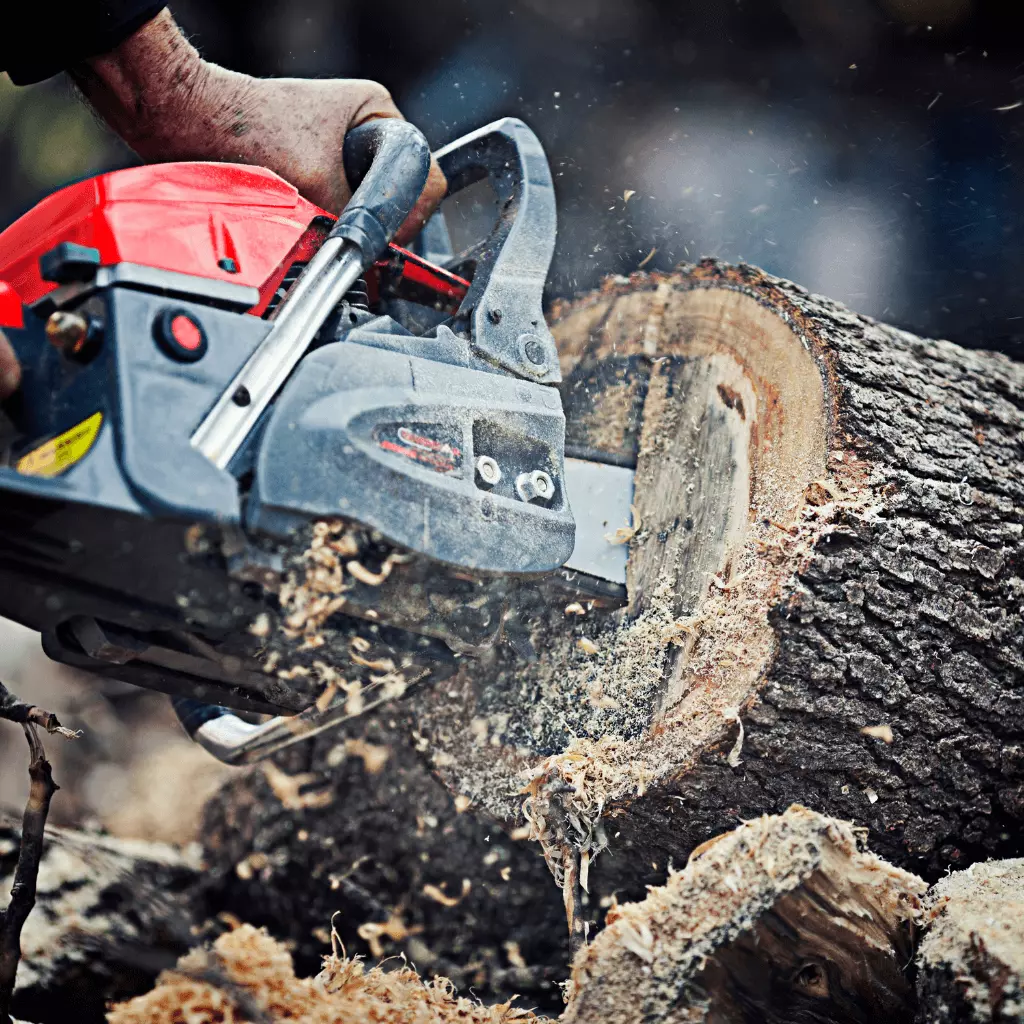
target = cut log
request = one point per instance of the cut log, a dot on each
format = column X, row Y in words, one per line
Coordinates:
column 110, row 914
column 970, row 965
column 825, row 588
column 787, row 918
column 353, row 831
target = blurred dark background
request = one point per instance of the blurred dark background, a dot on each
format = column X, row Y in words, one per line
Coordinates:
column 868, row 149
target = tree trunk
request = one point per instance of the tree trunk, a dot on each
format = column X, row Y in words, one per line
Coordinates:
column 970, row 965
column 824, row 585
column 824, row 608
column 110, row 914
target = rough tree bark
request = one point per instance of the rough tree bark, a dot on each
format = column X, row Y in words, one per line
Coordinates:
column 824, row 608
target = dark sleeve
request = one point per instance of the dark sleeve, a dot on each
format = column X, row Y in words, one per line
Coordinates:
column 52, row 35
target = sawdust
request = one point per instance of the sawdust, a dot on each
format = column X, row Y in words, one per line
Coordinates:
column 651, row 962
column 251, row 967
column 438, row 895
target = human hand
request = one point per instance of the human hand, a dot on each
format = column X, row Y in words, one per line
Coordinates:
column 168, row 103
column 10, row 372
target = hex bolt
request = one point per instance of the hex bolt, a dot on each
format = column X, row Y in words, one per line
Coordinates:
column 67, row 332
column 535, row 486
column 488, row 471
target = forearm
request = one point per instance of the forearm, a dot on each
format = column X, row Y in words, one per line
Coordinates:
column 160, row 96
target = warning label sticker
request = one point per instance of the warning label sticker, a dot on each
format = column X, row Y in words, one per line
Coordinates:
column 61, row 453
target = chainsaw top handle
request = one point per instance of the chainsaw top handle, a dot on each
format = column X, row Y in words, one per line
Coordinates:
column 389, row 161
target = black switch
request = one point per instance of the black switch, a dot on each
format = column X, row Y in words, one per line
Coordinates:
column 69, row 262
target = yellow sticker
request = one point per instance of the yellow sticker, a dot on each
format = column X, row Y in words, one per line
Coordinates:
column 52, row 458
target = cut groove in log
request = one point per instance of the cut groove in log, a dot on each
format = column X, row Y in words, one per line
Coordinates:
column 787, row 918
column 831, row 540
column 970, row 965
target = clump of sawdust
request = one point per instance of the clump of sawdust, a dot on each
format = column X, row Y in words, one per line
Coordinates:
column 344, row 673
column 248, row 973
column 649, row 963
column 330, row 567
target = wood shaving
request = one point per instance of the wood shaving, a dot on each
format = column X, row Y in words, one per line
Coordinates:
column 733, row 715
column 393, row 928
column 878, row 732
column 358, row 571
column 260, row 626
column 514, row 954
column 324, row 701
column 374, row 756
column 624, row 534
column 287, row 788
column 438, row 895
column 677, row 632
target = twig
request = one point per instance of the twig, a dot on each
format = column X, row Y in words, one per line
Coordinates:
column 33, row 823
column 14, row 709
column 23, row 892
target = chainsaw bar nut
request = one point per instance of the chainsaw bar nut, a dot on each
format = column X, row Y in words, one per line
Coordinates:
column 535, row 486
column 68, row 333
column 488, row 471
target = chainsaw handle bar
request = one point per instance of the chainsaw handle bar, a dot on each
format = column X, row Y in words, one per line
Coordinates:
column 389, row 161
column 391, row 184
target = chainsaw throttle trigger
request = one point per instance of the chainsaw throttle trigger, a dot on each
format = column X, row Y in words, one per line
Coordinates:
column 389, row 161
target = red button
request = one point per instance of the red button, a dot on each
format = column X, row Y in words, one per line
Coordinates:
column 180, row 335
column 186, row 332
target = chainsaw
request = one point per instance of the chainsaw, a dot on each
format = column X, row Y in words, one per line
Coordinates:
column 269, row 462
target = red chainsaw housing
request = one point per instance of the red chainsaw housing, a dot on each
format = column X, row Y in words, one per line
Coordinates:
column 193, row 218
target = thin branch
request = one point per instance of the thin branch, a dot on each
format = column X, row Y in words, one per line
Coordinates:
column 14, row 709
column 33, row 823
column 23, row 892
